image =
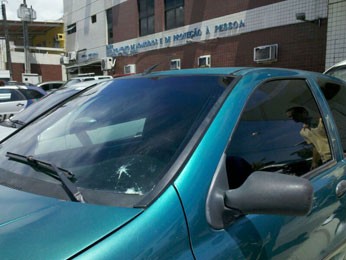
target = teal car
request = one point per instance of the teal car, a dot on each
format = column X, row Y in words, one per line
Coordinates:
column 211, row 163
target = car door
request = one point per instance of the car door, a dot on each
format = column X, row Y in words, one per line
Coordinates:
column 266, row 139
column 11, row 102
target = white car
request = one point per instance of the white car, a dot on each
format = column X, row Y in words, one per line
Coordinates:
column 338, row 70
column 51, row 85
column 14, row 99
column 75, row 80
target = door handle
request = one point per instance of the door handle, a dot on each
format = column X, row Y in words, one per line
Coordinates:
column 340, row 188
column 20, row 104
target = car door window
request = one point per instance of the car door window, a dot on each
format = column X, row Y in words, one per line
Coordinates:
column 280, row 130
column 9, row 95
column 335, row 95
column 47, row 87
column 55, row 86
column 31, row 94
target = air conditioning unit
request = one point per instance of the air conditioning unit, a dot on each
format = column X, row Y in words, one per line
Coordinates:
column 59, row 37
column 265, row 54
column 175, row 64
column 107, row 63
column 64, row 60
column 130, row 69
column 204, row 61
column 72, row 55
column 32, row 78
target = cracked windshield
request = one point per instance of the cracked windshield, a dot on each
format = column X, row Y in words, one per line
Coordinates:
column 120, row 138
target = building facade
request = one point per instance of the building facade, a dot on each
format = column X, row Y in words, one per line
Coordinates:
column 120, row 36
column 336, row 35
column 45, row 43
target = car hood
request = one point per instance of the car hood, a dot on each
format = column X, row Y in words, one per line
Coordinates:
column 37, row 227
column 5, row 131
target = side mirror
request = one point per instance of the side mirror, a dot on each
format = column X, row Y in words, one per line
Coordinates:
column 261, row 193
column 271, row 193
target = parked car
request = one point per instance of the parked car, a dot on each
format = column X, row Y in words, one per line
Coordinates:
column 51, row 85
column 173, row 165
column 17, row 83
column 49, row 101
column 75, row 80
column 338, row 70
column 14, row 99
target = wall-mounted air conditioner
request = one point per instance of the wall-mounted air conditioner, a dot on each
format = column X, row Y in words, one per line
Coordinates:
column 175, row 64
column 59, row 37
column 204, row 61
column 130, row 69
column 107, row 63
column 32, row 78
column 265, row 54
column 72, row 55
column 64, row 60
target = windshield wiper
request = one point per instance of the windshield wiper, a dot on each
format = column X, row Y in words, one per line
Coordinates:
column 19, row 122
column 64, row 176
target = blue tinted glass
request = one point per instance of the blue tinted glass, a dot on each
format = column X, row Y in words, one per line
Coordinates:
column 267, row 139
column 121, row 137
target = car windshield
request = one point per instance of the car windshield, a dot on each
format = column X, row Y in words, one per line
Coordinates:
column 118, row 139
column 71, row 82
column 45, row 103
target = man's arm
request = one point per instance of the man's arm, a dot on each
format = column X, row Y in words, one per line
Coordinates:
column 315, row 158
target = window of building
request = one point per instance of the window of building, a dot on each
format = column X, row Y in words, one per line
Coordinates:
column 146, row 12
column 71, row 28
column 174, row 13
column 109, row 14
column 280, row 130
column 93, row 18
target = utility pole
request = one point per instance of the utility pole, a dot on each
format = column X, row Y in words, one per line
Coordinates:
column 8, row 51
column 26, row 15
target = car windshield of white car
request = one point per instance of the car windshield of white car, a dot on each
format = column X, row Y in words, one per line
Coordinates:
column 118, row 139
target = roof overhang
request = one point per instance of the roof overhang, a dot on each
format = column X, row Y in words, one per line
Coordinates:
column 77, row 65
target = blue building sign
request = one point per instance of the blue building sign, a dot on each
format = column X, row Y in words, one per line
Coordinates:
column 164, row 40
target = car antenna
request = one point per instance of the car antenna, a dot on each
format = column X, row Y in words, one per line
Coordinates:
column 150, row 69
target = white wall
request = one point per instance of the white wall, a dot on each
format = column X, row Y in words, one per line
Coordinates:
column 336, row 35
column 36, row 58
column 90, row 36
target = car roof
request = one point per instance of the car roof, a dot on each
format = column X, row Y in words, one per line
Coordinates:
column 38, row 89
column 94, row 77
column 19, row 87
column 232, row 71
column 84, row 84
column 49, row 82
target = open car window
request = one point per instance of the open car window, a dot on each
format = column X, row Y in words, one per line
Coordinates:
column 280, row 130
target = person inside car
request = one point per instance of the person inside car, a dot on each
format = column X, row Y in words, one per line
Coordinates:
column 313, row 132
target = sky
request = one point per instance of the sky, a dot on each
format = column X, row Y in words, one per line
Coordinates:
column 46, row 10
